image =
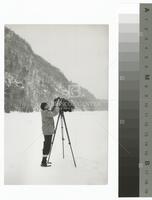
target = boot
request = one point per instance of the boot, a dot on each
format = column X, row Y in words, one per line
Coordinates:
column 44, row 162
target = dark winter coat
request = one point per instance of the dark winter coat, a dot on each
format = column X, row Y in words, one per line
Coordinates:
column 48, row 121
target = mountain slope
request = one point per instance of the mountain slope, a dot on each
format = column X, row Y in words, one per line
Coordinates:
column 30, row 80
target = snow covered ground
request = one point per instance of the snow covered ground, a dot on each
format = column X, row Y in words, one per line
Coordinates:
column 23, row 150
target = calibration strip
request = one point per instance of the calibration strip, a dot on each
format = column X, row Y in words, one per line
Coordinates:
column 129, row 105
column 145, row 146
column 135, row 103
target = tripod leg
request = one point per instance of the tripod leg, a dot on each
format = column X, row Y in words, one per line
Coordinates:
column 53, row 137
column 62, row 136
column 69, row 140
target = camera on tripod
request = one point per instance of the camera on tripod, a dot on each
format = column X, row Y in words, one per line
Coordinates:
column 65, row 105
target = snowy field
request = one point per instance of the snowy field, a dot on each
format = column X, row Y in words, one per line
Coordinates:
column 23, row 150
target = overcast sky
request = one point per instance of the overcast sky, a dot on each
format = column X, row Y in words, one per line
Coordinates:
column 80, row 51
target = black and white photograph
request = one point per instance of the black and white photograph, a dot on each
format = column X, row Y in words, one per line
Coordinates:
column 56, row 104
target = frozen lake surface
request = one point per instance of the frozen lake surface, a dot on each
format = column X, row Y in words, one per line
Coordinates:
column 23, row 150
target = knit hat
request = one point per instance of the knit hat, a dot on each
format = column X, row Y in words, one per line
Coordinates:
column 43, row 105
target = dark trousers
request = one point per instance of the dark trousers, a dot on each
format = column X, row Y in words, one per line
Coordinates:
column 47, row 144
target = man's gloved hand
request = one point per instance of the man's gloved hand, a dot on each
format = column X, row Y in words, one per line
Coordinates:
column 58, row 102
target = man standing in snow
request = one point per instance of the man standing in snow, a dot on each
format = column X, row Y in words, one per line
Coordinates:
column 48, row 128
